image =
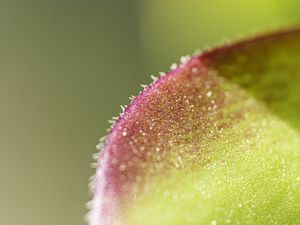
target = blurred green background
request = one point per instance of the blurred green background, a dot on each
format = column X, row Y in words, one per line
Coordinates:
column 67, row 66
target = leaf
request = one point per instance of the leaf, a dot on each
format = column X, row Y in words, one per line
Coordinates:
column 214, row 141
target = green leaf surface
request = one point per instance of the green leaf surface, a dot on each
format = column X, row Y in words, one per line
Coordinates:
column 214, row 141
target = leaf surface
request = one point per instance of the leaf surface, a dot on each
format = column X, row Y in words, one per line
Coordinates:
column 214, row 141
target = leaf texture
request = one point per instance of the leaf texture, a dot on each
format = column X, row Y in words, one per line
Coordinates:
column 214, row 141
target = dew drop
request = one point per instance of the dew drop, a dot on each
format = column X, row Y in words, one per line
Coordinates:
column 184, row 59
column 154, row 78
column 214, row 222
column 122, row 167
column 162, row 74
column 194, row 70
column 98, row 146
column 173, row 66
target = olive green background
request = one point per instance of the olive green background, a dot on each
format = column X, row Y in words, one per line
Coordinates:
column 67, row 66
